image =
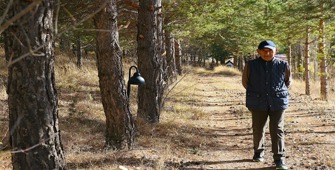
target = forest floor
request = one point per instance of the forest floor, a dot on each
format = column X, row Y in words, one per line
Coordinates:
column 219, row 134
column 222, row 137
column 204, row 125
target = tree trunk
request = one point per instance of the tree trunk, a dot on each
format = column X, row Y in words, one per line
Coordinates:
column 178, row 57
column 307, row 75
column 202, row 55
column 119, row 121
column 289, row 53
column 187, row 56
column 79, row 53
column 293, row 58
column 170, row 57
column 149, row 61
column 240, row 62
column 299, row 61
column 235, row 61
column 32, row 96
column 322, row 55
column 193, row 57
column 316, row 68
column 222, row 60
column 64, row 43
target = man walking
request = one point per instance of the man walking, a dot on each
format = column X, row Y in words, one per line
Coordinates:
column 266, row 80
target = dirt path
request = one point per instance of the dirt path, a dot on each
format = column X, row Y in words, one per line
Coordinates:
column 205, row 126
column 309, row 126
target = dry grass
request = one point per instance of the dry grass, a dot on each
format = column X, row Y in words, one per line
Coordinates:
column 220, row 70
column 68, row 75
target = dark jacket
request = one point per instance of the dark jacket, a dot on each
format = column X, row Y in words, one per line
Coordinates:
column 267, row 84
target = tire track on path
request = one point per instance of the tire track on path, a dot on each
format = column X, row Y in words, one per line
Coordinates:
column 310, row 129
column 230, row 125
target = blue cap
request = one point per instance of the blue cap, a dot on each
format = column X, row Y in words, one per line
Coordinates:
column 267, row 44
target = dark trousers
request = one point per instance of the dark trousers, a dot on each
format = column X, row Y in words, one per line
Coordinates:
column 259, row 124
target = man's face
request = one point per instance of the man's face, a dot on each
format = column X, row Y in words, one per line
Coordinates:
column 266, row 53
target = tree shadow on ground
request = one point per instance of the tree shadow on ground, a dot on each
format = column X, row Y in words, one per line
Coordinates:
column 192, row 137
column 133, row 162
column 153, row 163
column 191, row 164
column 81, row 134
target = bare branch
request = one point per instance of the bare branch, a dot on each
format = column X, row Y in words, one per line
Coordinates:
column 6, row 11
column 132, row 4
column 19, row 15
column 33, row 51
column 56, row 17
column 17, row 39
column 84, row 19
column 175, row 84
column 34, row 146
column 93, row 30
column 71, row 16
column 5, row 140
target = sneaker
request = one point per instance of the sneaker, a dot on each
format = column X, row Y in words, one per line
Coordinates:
column 258, row 157
column 280, row 165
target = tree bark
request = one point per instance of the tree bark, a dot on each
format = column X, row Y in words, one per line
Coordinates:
column 170, row 57
column 79, row 53
column 202, row 55
column 240, row 62
column 32, row 96
column 178, row 57
column 150, row 61
column 235, row 61
column 307, row 75
column 300, row 61
column 119, row 121
column 64, row 43
column 323, row 57
column 289, row 53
